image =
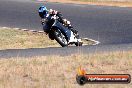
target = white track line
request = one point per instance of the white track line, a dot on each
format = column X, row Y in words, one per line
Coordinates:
column 24, row 29
column 96, row 42
column 5, row 27
column 32, row 30
column 40, row 31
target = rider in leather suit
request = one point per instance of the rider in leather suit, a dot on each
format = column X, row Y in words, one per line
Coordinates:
column 44, row 13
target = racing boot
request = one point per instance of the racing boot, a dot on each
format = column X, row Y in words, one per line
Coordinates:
column 72, row 39
column 74, row 31
column 76, row 41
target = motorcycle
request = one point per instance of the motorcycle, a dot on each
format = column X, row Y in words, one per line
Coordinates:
column 61, row 33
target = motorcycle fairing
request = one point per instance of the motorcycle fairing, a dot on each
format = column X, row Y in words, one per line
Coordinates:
column 62, row 28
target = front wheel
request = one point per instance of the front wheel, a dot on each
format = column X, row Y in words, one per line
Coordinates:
column 60, row 38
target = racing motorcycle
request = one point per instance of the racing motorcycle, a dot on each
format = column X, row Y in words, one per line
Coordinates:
column 61, row 33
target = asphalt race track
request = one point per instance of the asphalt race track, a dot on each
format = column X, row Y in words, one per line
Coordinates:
column 112, row 26
column 63, row 51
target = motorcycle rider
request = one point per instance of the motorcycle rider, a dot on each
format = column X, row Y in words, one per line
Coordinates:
column 45, row 13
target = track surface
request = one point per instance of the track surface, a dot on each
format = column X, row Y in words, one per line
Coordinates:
column 63, row 51
column 109, row 25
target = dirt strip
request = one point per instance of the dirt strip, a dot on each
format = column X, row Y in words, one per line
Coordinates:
column 104, row 3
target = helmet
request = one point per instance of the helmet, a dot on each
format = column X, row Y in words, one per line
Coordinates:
column 43, row 11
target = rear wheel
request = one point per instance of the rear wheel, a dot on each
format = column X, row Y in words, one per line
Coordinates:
column 60, row 38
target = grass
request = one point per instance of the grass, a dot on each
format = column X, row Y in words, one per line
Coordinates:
column 15, row 39
column 55, row 71
column 125, row 3
column 86, row 0
column 60, row 71
column 103, row 0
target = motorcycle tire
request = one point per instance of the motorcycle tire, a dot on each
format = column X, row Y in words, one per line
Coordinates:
column 60, row 38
